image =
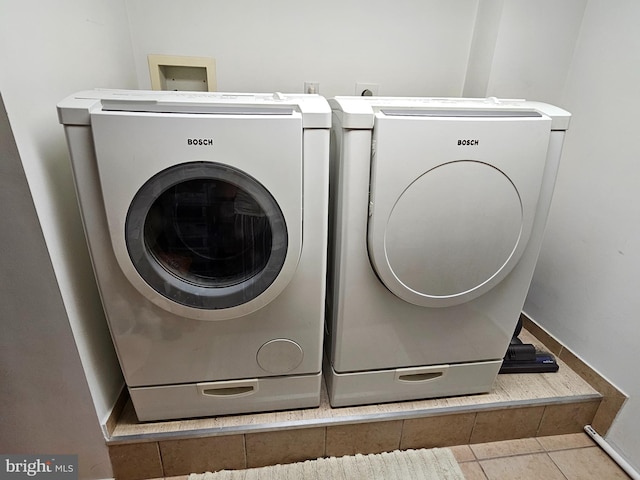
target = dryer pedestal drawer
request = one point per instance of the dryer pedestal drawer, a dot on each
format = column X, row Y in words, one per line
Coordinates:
column 226, row 397
column 395, row 385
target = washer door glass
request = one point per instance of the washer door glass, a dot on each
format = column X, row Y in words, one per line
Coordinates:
column 206, row 235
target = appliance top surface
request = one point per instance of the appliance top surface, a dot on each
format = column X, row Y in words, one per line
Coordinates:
column 359, row 112
column 77, row 108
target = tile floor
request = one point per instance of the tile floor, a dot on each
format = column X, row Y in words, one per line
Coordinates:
column 560, row 457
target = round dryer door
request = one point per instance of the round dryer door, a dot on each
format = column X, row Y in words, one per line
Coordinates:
column 452, row 202
column 206, row 235
column 453, row 229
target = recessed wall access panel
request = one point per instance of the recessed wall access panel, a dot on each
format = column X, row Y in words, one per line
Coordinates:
column 177, row 73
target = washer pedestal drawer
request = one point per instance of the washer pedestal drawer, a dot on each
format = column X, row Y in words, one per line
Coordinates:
column 396, row 385
column 226, row 397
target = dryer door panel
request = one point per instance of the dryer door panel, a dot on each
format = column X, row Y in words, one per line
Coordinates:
column 453, row 229
column 452, row 202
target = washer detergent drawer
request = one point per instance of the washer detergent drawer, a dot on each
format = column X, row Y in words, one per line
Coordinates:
column 361, row 388
column 227, row 397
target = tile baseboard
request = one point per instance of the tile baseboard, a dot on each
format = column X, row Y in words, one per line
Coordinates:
column 612, row 398
column 116, row 412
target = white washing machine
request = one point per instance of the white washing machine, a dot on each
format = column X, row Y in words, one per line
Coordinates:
column 206, row 219
column 439, row 207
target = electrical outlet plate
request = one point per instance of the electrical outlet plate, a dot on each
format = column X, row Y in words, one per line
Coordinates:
column 362, row 89
column 182, row 73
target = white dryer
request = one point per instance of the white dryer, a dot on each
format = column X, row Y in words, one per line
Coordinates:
column 206, row 219
column 439, row 208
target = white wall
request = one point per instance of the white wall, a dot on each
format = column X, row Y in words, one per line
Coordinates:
column 49, row 50
column 483, row 45
column 585, row 290
column 523, row 48
column 45, row 398
column 407, row 47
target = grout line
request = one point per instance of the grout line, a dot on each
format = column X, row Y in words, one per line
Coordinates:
column 474, row 454
column 401, row 434
column 483, row 470
column 563, row 449
column 474, row 459
column 473, row 429
column 558, row 466
column 164, row 472
column 244, row 450
column 324, row 452
column 514, row 455
column 570, row 448
column 475, row 419
column 540, row 421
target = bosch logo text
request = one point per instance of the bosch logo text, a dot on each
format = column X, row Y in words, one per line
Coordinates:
column 207, row 142
column 468, row 142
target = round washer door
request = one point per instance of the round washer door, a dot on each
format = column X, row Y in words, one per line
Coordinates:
column 206, row 235
column 452, row 231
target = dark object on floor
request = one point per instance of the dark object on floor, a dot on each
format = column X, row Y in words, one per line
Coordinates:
column 524, row 358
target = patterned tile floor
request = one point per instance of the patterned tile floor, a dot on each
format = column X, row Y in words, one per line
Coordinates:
column 559, row 457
